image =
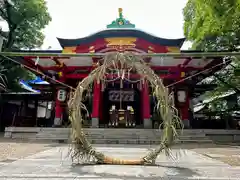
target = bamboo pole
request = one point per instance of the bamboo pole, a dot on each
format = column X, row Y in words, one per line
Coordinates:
column 183, row 54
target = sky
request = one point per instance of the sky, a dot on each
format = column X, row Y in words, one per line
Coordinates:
column 76, row 18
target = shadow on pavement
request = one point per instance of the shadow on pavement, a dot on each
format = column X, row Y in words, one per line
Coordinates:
column 170, row 172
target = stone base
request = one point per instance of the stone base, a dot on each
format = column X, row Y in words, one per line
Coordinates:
column 147, row 123
column 95, row 123
column 186, row 123
column 57, row 122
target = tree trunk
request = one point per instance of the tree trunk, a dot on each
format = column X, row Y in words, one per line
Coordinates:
column 10, row 39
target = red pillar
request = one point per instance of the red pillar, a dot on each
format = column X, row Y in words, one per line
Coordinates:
column 58, row 113
column 184, row 110
column 60, row 97
column 96, row 103
column 146, row 106
column 100, row 107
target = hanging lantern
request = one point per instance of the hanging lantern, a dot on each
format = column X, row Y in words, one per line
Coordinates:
column 181, row 96
column 61, row 96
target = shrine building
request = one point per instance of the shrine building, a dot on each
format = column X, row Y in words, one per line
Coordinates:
column 134, row 95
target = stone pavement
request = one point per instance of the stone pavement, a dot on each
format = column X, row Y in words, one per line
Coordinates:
column 54, row 164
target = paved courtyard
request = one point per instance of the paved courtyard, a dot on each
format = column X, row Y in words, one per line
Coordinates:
column 54, row 164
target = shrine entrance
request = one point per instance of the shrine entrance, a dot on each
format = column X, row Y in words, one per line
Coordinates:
column 121, row 108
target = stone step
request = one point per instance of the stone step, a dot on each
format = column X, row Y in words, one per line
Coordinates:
column 59, row 136
column 114, row 141
column 120, row 133
column 116, row 136
column 123, row 134
column 53, row 136
column 113, row 131
column 122, row 141
column 22, row 135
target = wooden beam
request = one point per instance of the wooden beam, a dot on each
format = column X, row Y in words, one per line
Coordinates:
column 181, row 54
column 134, row 76
column 89, row 68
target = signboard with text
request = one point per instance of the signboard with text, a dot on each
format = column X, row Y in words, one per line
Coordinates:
column 125, row 96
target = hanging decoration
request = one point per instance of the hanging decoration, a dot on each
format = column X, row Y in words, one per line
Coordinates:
column 37, row 60
column 102, row 86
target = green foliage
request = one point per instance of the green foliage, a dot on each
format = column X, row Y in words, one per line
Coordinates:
column 218, row 105
column 14, row 74
column 25, row 19
column 227, row 80
column 213, row 25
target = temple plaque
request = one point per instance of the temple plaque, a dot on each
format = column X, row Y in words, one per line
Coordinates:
column 126, row 96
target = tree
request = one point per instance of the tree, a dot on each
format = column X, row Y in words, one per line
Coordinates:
column 25, row 19
column 213, row 25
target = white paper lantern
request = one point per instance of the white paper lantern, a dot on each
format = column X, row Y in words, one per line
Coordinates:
column 181, row 96
column 61, row 96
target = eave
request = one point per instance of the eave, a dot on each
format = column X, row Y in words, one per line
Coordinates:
column 112, row 33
